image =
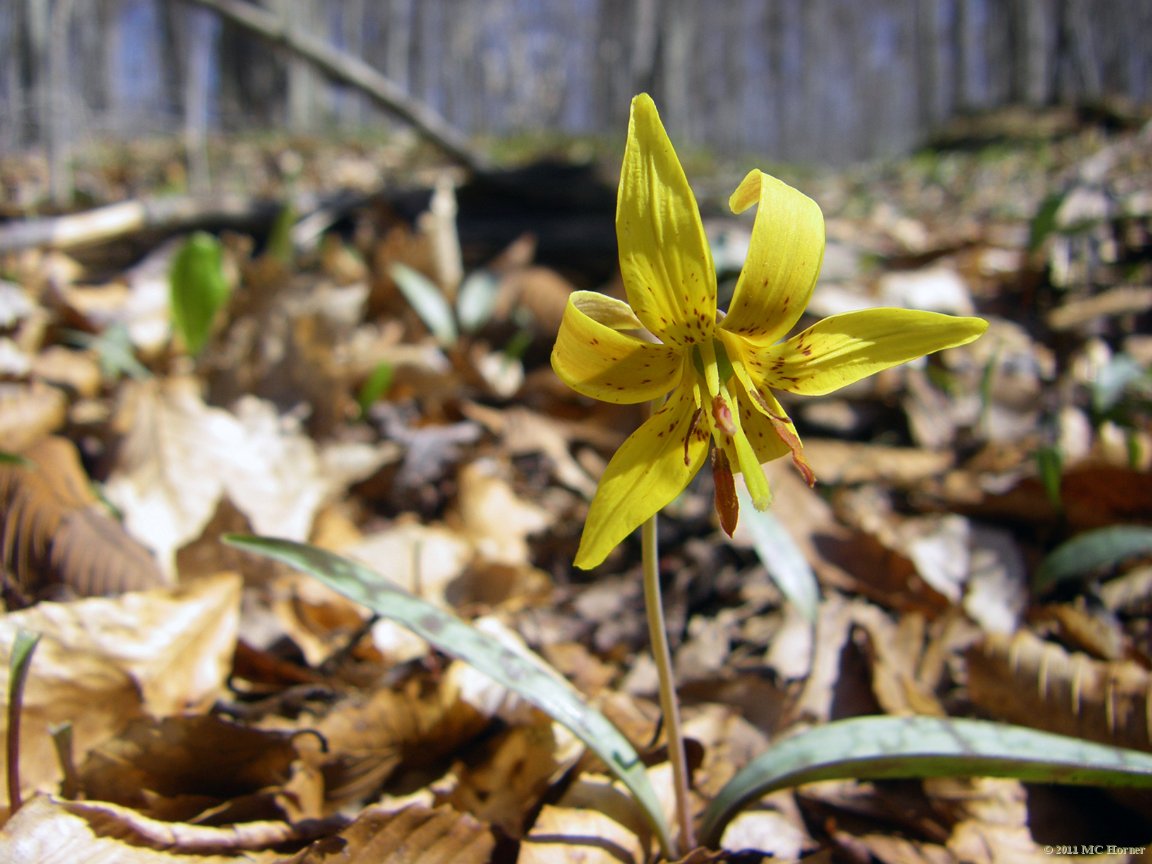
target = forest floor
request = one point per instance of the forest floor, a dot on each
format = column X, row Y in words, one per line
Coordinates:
column 222, row 708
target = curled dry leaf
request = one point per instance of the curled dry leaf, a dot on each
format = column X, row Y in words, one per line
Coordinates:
column 55, row 535
column 52, row 831
column 104, row 662
column 1023, row 679
column 198, row 769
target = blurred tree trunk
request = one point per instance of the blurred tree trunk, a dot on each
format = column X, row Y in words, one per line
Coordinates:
column 1077, row 49
column 198, row 55
column 353, row 27
column 32, row 25
column 252, row 80
column 60, row 105
column 303, row 17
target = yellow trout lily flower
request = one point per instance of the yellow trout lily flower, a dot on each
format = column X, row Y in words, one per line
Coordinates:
column 717, row 370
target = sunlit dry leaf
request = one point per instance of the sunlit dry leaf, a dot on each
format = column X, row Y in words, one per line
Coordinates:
column 16, row 304
column 996, row 594
column 525, row 431
column 769, row 833
column 501, row 374
column 730, row 742
column 494, row 517
column 422, row 559
column 849, row 462
column 991, row 817
column 179, row 456
column 104, row 662
column 413, row 835
column 51, row 831
column 895, row 652
column 29, row 412
column 75, row 371
column 567, row 835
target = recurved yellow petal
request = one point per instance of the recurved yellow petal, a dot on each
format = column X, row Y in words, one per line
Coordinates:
column 665, row 259
column 651, row 468
column 594, row 358
column 842, row 349
column 784, row 259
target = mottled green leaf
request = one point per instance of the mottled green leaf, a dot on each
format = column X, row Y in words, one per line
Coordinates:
column 872, row 748
column 1092, row 552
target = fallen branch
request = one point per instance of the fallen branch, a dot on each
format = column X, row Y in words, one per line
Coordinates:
column 127, row 217
column 354, row 72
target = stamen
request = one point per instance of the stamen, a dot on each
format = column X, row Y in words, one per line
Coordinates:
column 727, row 504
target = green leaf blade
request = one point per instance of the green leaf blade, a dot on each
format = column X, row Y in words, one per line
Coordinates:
column 523, row 673
column 427, row 301
column 872, row 748
column 1091, row 552
column 781, row 557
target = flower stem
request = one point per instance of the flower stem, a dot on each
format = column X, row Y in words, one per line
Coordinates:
column 669, row 703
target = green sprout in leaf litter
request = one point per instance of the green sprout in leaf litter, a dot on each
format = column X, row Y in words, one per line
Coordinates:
column 199, row 289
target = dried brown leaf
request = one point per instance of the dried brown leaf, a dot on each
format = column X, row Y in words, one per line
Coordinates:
column 567, row 835
column 849, row 462
column 413, row 835
column 506, row 780
column 54, row 534
column 1023, row 679
column 193, row 769
column 28, row 412
column 370, row 738
column 990, row 817
column 494, row 517
column 104, row 662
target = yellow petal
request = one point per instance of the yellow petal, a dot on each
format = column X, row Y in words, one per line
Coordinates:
column 843, row 349
column 665, row 260
column 651, row 468
column 762, row 433
column 594, row 358
column 784, row 259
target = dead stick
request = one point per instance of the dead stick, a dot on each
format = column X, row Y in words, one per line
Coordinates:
column 354, row 72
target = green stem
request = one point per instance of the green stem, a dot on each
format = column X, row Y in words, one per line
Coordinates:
column 669, row 704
